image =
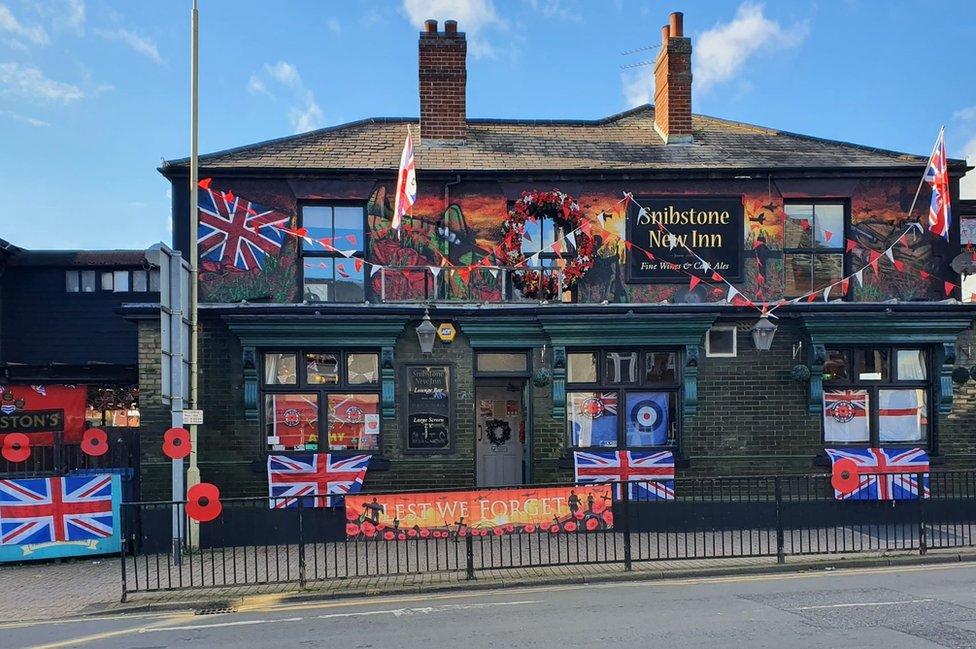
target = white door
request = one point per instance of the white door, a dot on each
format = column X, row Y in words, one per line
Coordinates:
column 500, row 435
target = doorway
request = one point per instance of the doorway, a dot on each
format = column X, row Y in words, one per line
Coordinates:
column 500, row 424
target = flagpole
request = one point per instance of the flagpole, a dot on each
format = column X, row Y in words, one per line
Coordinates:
column 924, row 173
column 193, row 471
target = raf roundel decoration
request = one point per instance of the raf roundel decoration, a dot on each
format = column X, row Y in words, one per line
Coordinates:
column 291, row 418
column 446, row 332
column 354, row 414
column 646, row 415
column 842, row 411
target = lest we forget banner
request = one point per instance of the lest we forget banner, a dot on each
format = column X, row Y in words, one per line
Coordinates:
column 401, row 516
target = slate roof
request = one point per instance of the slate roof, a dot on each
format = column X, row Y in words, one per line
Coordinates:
column 79, row 258
column 626, row 141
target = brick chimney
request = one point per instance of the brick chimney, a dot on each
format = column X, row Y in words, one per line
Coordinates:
column 672, row 83
column 443, row 81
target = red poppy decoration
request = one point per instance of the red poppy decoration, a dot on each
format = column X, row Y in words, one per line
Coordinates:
column 388, row 535
column 592, row 524
column 94, row 442
column 176, row 443
column 845, row 478
column 203, row 502
column 352, row 529
column 569, row 526
column 369, row 529
column 608, row 518
column 16, row 447
column 529, row 528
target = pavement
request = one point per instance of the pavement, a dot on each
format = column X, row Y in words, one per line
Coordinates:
column 46, row 591
column 910, row 606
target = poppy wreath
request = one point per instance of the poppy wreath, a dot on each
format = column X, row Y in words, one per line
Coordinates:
column 498, row 431
column 565, row 214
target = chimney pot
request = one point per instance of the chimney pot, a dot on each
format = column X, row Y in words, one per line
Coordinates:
column 430, row 26
column 443, row 79
column 677, row 24
column 450, row 26
column 665, row 35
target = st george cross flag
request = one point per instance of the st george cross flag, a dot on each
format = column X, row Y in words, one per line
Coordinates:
column 235, row 233
column 49, row 510
column 937, row 176
column 406, row 192
column 312, row 478
column 884, row 473
column 652, row 471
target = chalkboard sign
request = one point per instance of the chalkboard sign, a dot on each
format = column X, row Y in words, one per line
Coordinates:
column 429, row 404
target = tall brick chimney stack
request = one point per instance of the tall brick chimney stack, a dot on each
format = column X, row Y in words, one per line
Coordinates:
column 672, row 83
column 443, row 82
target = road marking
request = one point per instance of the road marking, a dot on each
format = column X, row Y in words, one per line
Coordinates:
column 686, row 581
column 97, row 637
column 216, row 625
column 853, row 604
column 84, row 620
column 426, row 610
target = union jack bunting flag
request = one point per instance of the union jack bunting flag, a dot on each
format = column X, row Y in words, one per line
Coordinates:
column 44, row 510
column 937, row 176
column 884, row 473
column 651, row 471
column 236, row 233
column 312, row 478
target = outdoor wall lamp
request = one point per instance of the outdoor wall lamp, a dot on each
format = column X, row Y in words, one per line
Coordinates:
column 426, row 332
column 762, row 334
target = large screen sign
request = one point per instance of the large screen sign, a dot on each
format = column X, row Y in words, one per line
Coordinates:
column 666, row 227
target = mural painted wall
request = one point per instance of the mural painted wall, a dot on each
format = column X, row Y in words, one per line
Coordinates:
column 250, row 238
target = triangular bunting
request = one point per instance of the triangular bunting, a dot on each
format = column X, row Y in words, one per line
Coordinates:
column 374, row 268
column 811, row 297
column 435, row 271
column 826, row 293
column 899, row 266
column 347, row 253
column 571, row 238
column 827, row 235
column 358, row 264
column 859, row 276
column 844, row 285
column 875, row 256
column 717, row 278
column 923, row 274
column 695, row 281
column 889, row 253
column 948, row 286
column 204, row 183
column 851, row 244
column 649, row 254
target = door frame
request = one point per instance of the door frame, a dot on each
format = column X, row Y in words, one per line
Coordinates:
column 488, row 378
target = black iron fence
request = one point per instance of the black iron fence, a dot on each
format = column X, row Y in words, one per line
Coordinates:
column 709, row 518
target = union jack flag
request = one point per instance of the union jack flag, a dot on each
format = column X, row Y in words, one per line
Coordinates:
column 651, row 471
column 885, row 473
column 937, row 176
column 311, row 478
column 44, row 510
column 236, row 233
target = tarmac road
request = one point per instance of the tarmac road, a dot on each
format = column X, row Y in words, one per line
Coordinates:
column 905, row 606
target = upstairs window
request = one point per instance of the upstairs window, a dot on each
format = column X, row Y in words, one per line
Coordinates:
column 333, row 267
column 813, row 254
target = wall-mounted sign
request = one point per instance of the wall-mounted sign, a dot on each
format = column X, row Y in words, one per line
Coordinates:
column 192, row 417
column 711, row 227
column 446, row 332
column 427, row 421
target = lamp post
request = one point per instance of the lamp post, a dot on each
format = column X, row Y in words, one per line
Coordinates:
column 762, row 334
column 426, row 332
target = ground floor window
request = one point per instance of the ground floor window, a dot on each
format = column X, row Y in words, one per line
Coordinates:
column 622, row 398
column 321, row 400
column 112, row 405
column 876, row 396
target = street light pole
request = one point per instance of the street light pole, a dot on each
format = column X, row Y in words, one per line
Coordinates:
column 193, row 471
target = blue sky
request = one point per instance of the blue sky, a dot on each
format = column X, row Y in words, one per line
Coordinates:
column 94, row 93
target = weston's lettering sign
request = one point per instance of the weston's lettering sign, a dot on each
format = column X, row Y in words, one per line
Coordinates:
column 666, row 227
column 32, row 421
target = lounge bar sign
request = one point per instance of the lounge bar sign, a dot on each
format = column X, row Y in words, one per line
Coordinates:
column 428, row 419
column 711, row 227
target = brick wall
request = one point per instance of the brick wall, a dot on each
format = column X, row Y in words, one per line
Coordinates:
column 672, row 88
column 443, row 83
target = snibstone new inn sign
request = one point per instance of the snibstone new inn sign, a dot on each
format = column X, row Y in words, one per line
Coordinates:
column 712, row 227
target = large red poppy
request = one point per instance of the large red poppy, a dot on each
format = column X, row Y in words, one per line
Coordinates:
column 176, row 443
column 94, row 442
column 845, row 478
column 16, row 447
column 203, row 502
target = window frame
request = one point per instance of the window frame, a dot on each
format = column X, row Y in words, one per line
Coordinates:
column 321, row 253
column 735, row 342
column 545, row 254
column 874, row 388
column 813, row 251
column 322, row 391
column 623, row 389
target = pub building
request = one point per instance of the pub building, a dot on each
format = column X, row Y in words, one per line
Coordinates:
column 654, row 279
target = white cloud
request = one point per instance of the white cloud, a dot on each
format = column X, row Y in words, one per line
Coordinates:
column 30, row 83
column 9, row 23
column 965, row 114
column 304, row 112
column 967, row 185
column 72, row 17
column 26, row 119
column 556, row 9
column 636, row 85
column 722, row 51
column 335, row 26
column 473, row 17
column 139, row 44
